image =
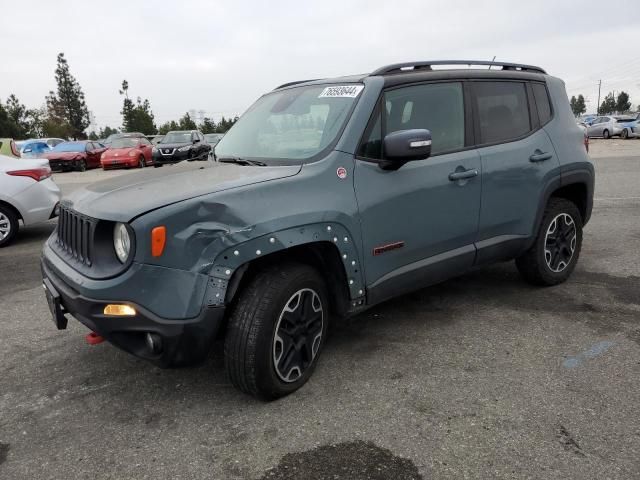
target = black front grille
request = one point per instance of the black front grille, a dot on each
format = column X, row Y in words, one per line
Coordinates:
column 75, row 234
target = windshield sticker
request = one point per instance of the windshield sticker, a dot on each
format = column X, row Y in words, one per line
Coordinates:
column 344, row 91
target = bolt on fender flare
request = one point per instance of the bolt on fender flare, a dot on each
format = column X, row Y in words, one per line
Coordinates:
column 231, row 259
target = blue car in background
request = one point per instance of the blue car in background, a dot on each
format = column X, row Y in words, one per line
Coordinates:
column 34, row 149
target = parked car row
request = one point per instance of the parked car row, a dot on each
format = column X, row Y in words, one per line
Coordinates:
column 120, row 150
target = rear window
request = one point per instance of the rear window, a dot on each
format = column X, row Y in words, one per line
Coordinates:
column 542, row 102
column 503, row 111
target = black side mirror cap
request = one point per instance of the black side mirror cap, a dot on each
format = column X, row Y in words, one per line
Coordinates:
column 405, row 146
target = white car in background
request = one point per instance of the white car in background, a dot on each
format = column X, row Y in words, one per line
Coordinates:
column 27, row 193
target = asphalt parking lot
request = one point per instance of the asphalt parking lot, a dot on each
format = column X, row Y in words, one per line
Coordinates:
column 482, row 376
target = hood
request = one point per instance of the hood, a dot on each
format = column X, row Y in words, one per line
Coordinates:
column 120, row 152
column 173, row 145
column 125, row 197
column 63, row 155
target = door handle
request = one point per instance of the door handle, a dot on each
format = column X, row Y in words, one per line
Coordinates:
column 539, row 156
column 455, row 176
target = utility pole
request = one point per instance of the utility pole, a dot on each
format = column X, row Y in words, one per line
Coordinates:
column 598, row 105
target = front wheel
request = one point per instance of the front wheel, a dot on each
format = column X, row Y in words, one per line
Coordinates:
column 624, row 134
column 276, row 331
column 555, row 252
column 606, row 134
column 141, row 162
column 82, row 166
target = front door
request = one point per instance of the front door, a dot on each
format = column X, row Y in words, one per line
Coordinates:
column 419, row 222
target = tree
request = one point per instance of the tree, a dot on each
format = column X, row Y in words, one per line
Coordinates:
column 578, row 105
column 106, row 131
column 187, row 123
column 608, row 105
column 225, row 124
column 167, row 127
column 8, row 127
column 622, row 102
column 67, row 104
column 136, row 117
column 208, row 125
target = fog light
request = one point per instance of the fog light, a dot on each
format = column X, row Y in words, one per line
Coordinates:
column 120, row 310
column 154, row 342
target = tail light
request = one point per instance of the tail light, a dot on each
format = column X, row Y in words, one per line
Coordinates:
column 14, row 148
column 37, row 174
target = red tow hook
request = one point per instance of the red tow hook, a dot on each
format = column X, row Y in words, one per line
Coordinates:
column 93, row 338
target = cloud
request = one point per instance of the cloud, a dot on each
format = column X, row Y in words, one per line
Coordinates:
column 220, row 56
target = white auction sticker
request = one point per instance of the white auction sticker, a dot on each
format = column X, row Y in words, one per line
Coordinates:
column 341, row 91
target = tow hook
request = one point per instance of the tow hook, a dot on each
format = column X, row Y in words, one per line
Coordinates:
column 93, row 338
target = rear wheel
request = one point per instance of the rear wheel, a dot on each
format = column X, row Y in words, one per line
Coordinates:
column 606, row 134
column 555, row 252
column 8, row 225
column 276, row 331
column 624, row 134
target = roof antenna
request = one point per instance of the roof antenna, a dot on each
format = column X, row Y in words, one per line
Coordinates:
column 493, row 60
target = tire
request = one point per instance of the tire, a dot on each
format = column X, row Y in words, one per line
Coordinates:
column 82, row 166
column 624, row 134
column 9, row 225
column 141, row 162
column 605, row 135
column 255, row 349
column 551, row 258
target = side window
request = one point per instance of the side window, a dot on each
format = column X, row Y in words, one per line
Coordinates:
column 542, row 102
column 503, row 111
column 437, row 107
column 144, row 141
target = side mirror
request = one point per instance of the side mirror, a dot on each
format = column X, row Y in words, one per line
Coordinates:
column 404, row 146
column 196, row 140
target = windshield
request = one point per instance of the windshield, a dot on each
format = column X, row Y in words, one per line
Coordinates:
column 177, row 137
column 125, row 142
column 293, row 124
column 69, row 147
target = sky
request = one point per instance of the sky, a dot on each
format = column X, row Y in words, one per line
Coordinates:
column 219, row 56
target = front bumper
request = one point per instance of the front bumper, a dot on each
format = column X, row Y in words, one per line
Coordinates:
column 64, row 165
column 161, row 159
column 183, row 341
column 119, row 163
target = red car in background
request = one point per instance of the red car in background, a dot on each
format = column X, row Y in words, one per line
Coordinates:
column 127, row 152
column 75, row 155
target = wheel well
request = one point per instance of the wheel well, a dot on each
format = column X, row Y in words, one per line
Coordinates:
column 576, row 193
column 12, row 208
column 323, row 256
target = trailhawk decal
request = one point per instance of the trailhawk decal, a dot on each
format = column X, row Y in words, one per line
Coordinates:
column 344, row 91
column 387, row 248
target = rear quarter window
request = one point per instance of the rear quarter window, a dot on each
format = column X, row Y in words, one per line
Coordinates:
column 542, row 102
column 503, row 111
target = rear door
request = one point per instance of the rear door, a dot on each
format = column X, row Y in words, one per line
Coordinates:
column 518, row 162
column 418, row 226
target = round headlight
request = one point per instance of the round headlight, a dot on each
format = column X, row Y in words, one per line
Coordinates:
column 121, row 242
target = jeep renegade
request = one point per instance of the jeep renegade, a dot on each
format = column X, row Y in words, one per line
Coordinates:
column 329, row 196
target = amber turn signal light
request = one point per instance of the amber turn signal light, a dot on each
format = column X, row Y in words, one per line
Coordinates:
column 158, row 239
column 117, row 310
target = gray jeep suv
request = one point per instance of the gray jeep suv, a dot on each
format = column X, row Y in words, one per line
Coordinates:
column 329, row 196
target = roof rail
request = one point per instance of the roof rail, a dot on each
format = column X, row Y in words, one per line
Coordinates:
column 294, row 83
column 426, row 65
